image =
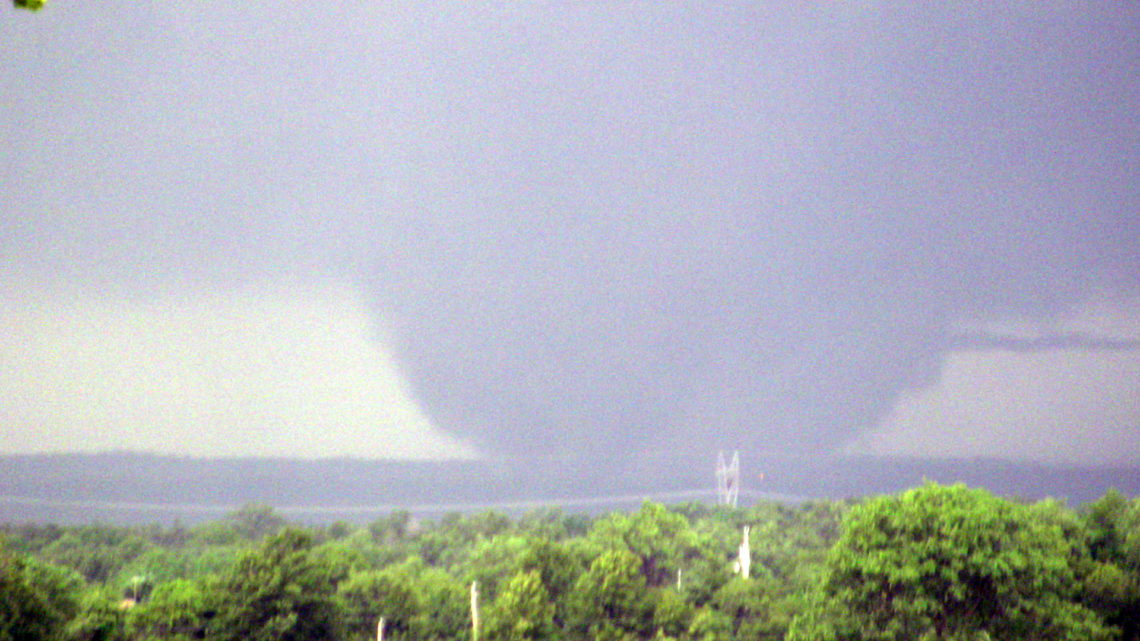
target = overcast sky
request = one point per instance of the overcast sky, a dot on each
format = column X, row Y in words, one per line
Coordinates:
column 426, row 230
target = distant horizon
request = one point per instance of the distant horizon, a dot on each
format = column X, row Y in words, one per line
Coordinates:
column 145, row 487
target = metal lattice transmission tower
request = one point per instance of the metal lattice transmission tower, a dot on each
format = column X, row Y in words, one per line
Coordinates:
column 728, row 479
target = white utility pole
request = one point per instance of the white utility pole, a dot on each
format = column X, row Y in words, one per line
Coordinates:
column 474, row 611
column 745, row 555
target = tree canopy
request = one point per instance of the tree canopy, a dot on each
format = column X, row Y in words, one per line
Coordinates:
column 943, row 562
column 934, row 562
column 277, row 592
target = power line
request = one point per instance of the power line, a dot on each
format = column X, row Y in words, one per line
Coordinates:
column 201, row 508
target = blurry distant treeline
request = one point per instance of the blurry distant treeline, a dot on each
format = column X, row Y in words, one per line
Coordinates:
column 935, row 562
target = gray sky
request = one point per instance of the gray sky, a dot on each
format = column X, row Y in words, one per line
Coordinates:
column 416, row 230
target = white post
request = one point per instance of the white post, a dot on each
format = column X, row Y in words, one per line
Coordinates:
column 745, row 555
column 474, row 611
column 380, row 629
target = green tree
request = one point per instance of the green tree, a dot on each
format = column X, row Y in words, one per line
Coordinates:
column 390, row 593
column 819, row 618
column 943, row 562
column 445, row 607
column 558, row 567
column 611, row 600
column 522, row 611
column 1115, row 593
column 31, row 5
column 101, row 617
column 37, row 600
column 96, row 552
column 1112, row 585
column 416, row 601
column 156, row 565
column 255, row 521
column 553, row 524
column 278, row 592
column 709, row 624
column 706, row 565
column 748, row 605
column 1107, row 519
column 339, row 558
column 491, row 561
column 177, row 610
column 672, row 614
column 393, row 528
column 662, row 540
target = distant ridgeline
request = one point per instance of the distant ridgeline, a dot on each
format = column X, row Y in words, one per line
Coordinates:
column 932, row 562
column 140, row 488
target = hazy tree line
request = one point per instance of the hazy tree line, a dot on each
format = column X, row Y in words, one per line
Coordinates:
column 935, row 562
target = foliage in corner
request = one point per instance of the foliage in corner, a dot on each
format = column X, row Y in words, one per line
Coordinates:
column 949, row 562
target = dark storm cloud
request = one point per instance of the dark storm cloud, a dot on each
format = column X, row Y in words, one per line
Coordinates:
column 754, row 228
column 604, row 227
